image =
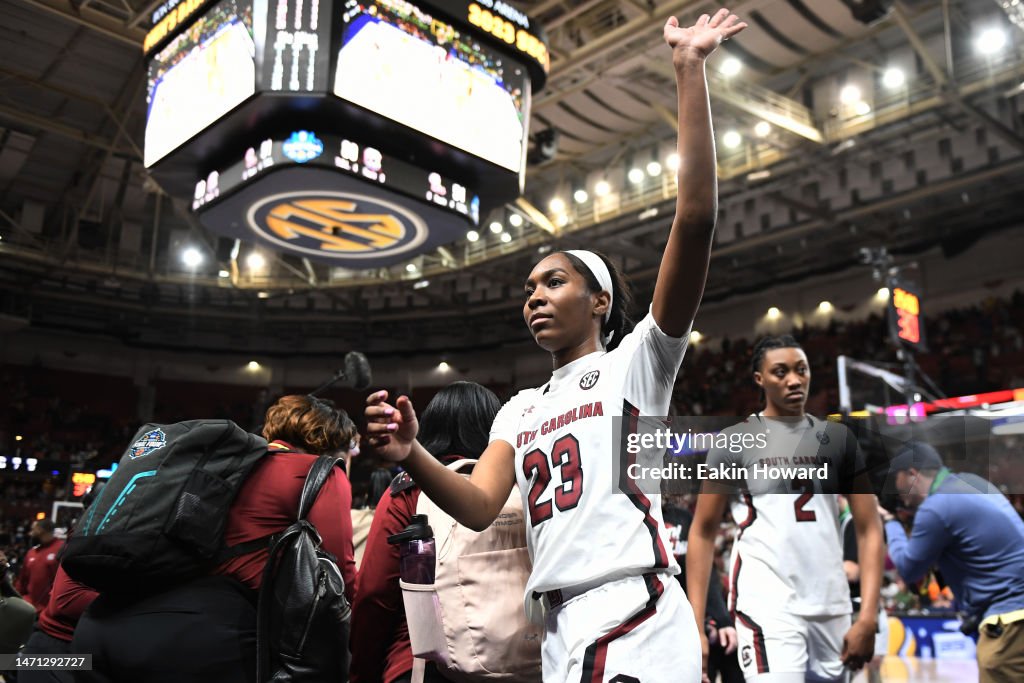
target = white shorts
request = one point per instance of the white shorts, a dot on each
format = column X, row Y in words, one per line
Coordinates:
column 636, row 630
column 791, row 644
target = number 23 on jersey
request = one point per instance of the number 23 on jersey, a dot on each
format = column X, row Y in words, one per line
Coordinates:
column 538, row 465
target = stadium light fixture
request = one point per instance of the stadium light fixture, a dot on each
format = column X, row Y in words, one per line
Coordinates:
column 255, row 260
column 990, row 41
column 825, row 307
column 561, row 220
column 497, row 227
column 730, row 67
column 695, row 337
column 653, row 169
column 732, row 139
column 253, row 366
column 557, row 205
column 862, row 108
column 472, row 235
column 850, row 94
column 882, row 294
column 191, row 257
column 18, row 437
column 773, row 313
column 602, row 188
column 223, row 273
column 410, row 268
column 506, row 238
column 635, row 175
column 443, row 366
column 515, row 220
column 762, row 129
column 580, row 196
column 893, row 78
column 672, row 162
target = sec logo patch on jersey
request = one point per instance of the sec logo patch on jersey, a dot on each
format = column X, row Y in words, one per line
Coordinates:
column 588, row 380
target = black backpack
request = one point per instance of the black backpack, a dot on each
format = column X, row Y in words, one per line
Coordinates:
column 160, row 519
column 302, row 623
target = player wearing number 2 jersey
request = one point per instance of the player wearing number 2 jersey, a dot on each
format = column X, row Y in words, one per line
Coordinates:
column 788, row 590
column 601, row 565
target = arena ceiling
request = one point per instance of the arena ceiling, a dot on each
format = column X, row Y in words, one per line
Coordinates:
column 89, row 243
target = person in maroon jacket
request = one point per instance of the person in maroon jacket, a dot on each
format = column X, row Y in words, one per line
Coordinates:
column 56, row 625
column 40, row 565
column 456, row 424
column 205, row 630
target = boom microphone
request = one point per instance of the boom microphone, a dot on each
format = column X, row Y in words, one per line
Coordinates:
column 355, row 374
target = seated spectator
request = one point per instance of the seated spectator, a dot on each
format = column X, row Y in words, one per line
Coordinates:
column 455, row 424
column 205, row 630
column 40, row 565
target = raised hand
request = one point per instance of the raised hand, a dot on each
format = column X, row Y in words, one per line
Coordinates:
column 391, row 430
column 701, row 39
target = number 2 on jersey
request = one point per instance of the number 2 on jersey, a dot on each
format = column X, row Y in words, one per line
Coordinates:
column 798, row 505
column 565, row 455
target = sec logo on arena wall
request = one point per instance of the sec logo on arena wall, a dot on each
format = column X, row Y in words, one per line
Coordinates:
column 340, row 224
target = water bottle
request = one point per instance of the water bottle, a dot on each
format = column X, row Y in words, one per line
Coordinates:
column 417, row 552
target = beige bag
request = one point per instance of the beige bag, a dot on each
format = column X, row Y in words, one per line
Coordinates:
column 471, row 620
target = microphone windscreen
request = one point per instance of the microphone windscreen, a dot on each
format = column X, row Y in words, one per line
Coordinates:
column 357, row 370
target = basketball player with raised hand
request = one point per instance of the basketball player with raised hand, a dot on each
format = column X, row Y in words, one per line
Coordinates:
column 601, row 569
column 787, row 587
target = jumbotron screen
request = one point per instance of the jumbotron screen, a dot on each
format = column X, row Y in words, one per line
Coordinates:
column 399, row 61
column 199, row 76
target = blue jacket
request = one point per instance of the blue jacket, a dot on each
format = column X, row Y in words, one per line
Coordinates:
column 975, row 538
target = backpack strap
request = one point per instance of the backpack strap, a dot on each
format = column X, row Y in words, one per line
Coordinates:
column 318, row 474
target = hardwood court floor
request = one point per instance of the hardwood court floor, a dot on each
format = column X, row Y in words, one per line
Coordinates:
column 913, row 670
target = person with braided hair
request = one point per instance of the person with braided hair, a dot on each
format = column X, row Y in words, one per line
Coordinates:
column 787, row 588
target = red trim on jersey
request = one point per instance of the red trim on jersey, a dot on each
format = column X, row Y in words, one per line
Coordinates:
column 635, row 495
column 760, row 651
column 597, row 652
column 734, row 581
column 748, row 500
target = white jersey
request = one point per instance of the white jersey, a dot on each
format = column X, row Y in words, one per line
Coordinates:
column 787, row 555
column 565, row 434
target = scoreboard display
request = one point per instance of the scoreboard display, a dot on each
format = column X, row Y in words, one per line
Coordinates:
column 418, row 111
column 906, row 321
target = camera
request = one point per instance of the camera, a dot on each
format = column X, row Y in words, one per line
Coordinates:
column 969, row 623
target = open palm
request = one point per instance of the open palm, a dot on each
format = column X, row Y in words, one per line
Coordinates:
column 703, row 37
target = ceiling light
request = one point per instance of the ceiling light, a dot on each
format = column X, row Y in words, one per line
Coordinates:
column 893, row 78
column 732, row 139
column 255, row 260
column 253, row 366
column 825, row 307
column 472, row 235
column 774, row 313
column 731, row 66
column 882, row 294
column 850, row 94
column 506, row 238
column 653, row 169
column 990, row 41
column 18, row 437
column 515, row 220
column 672, row 161
column 635, row 175
column 695, row 337
column 557, row 205
column 191, row 257
column 762, row 129
column 561, row 220
column 443, row 366
column 422, row 284
column 410, row 268
column 862, row 108
column 602, row 188
column 580, row 196
column 223, row 273
column 496, row 227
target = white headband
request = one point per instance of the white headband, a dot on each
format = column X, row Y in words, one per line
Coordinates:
column 600, row 271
